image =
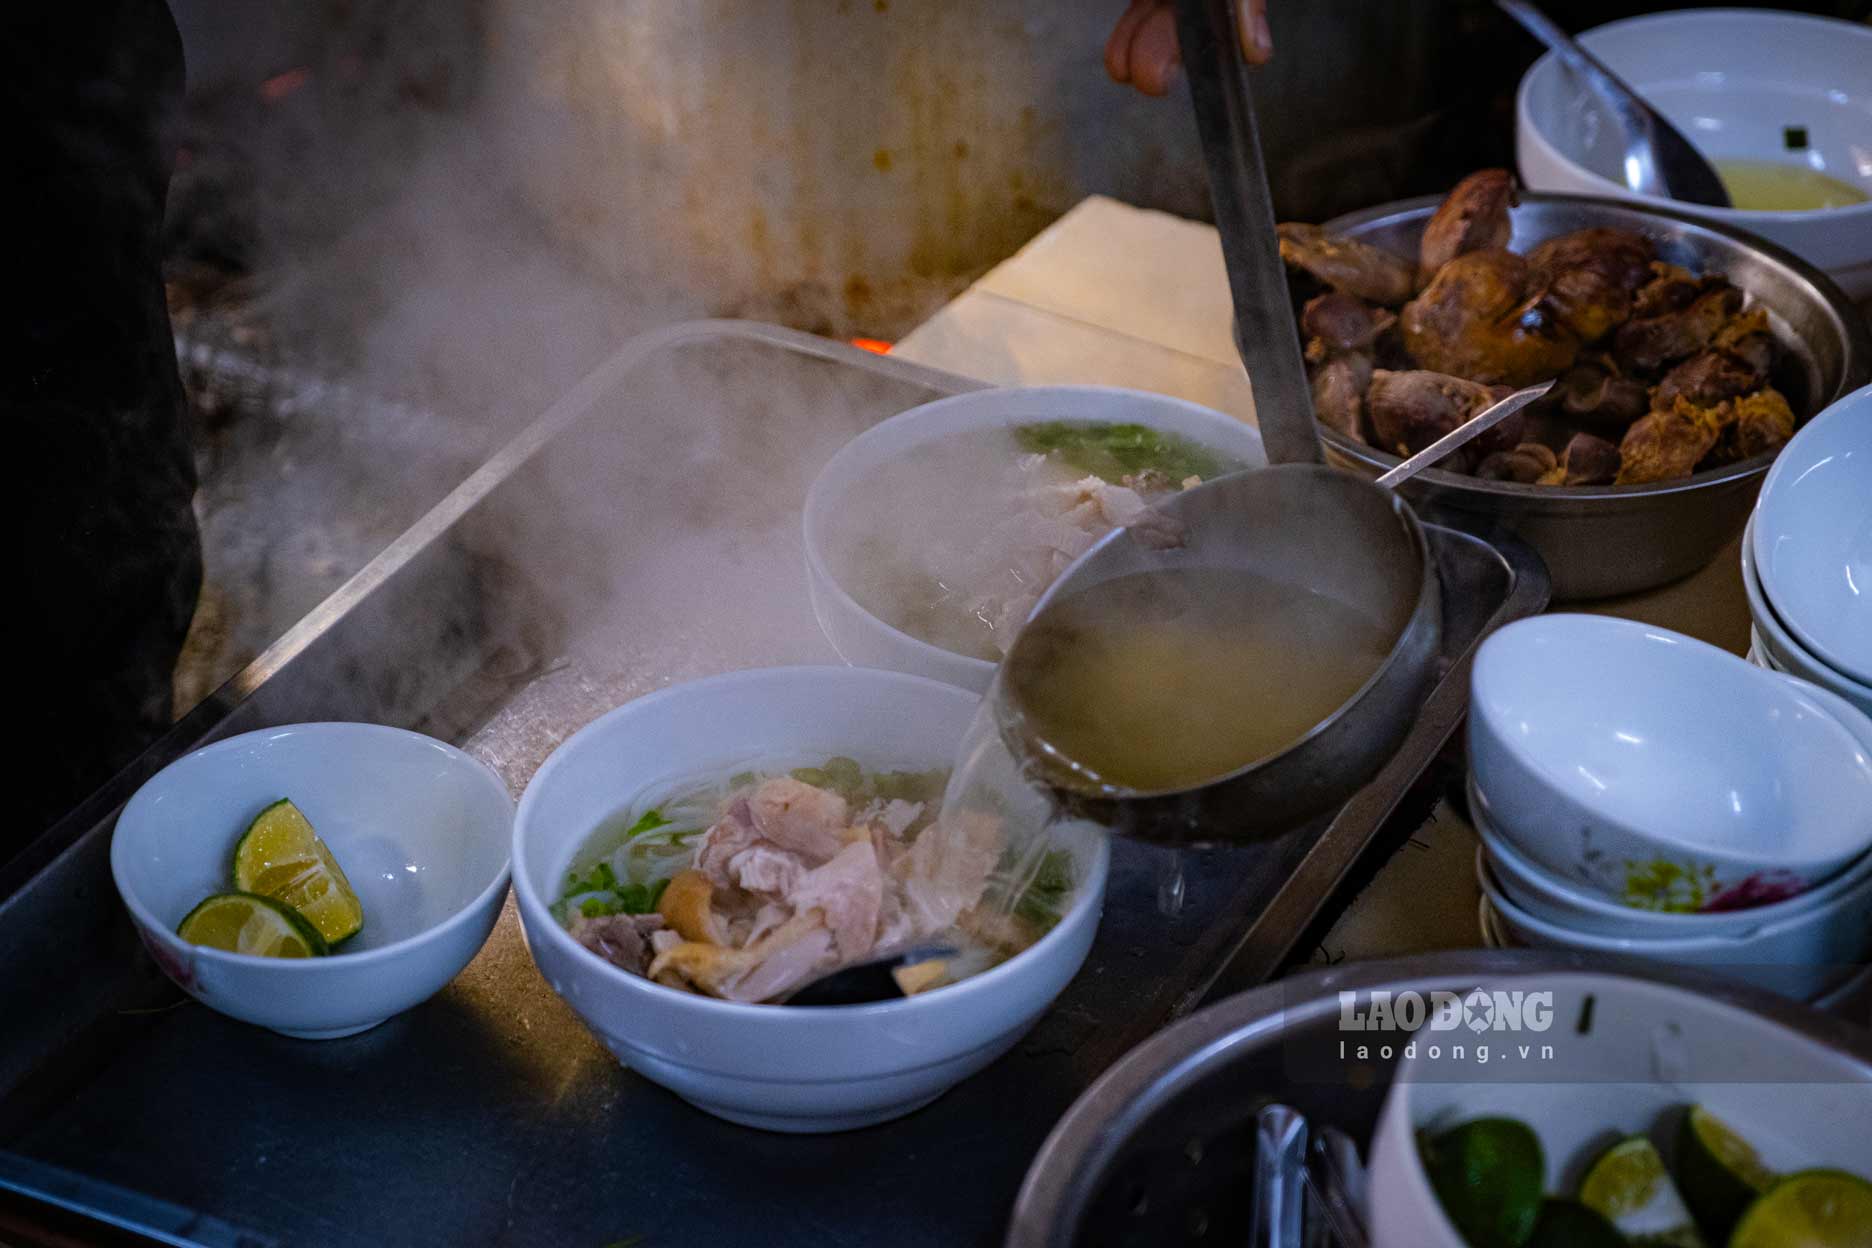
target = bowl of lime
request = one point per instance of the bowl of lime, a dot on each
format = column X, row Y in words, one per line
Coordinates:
column 315, row 879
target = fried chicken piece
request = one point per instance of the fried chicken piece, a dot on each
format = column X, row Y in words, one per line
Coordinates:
column 1474, row 215
column 1410, row 410
column 1751, row 425
column 1526, row 464
column 1339, row 394
column 1667, row 444
column 1476, row 320
column 1360, row 269
column 1336, row 323
column 1595, row 393
column 1671, row 288
column 1590, row 277
column 1647, row 344
column 1587, row 460
column 1735, row 363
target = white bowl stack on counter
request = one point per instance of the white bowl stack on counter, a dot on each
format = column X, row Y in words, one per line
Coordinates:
column 1639, row 792
column 1807, row 555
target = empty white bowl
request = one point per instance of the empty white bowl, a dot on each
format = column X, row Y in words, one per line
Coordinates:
column 864, row 640
column 1803, row 955
column 1734, row 81
column 1619, row 755
column 421, row 830
column 1778, row 650
column 782, row 1068
column 1650, row 1051
column 1812, row 538
column 1548, row 897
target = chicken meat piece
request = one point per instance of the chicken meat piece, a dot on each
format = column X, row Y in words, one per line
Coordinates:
column 620, row 939
column 1735, row 363
column 1595, row 393
column 1751, row 424
column 726, row 837
column 1410, row 410
column 796, row 816
column 849, row 892
column 947, row 870
column 1525, row 464
column 1667, row 444
column 688, row 906
column 1095, row 506
column 1360, row 269
column 1670, row 288
column 1336, row 323
column 1339, row 387
column 1474, row 215
column 1589, row 278
column 1647, row 344
column 1587, row 460
column 1477, row 320
column 779, row 962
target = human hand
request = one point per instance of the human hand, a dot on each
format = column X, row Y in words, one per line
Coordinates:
column 1143, row 51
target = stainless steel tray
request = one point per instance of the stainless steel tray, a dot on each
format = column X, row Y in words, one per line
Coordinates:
column 554, row 583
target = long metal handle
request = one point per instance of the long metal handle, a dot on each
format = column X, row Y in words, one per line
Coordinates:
column 1266, row 335
column 1659, row 159
column 1280, row 1178
column 1474, row 427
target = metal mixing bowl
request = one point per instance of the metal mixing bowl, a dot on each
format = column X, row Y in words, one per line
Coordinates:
column 1159, row 1150
column 1616, row 539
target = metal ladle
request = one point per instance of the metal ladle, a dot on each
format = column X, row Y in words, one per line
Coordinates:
column 1296, row 522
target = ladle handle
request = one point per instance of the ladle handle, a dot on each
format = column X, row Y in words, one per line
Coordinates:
column 1474, row 427
column 1266, row 337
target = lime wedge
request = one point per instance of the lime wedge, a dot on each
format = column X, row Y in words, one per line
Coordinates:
column 280, row 856
column 1569, row 1224
column 1811, row 1209
column 1718, row 1173
column 246, row 923
column 1629, row 1187
column 1489, row 1176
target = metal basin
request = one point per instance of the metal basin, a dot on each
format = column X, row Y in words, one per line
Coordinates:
column 1599, row 541
column 1158, row 1150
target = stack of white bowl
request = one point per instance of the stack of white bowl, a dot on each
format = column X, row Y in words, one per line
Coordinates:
column 1617, row 768
column 1807, row 555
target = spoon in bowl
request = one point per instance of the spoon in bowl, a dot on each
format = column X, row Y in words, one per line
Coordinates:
column 1659, row 160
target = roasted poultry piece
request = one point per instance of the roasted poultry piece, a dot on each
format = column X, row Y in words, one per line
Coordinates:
column 1662, row 371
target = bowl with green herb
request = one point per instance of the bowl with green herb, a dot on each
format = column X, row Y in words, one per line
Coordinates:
column 931, row 536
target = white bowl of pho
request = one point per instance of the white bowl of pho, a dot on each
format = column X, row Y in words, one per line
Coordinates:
column 687, row 860
column 930, row 537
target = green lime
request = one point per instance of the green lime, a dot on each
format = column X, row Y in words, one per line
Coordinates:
column 1718, row 1173
column 1630, row 1188
column 1489, row 1176
column 280, row 856
column 1568, row 1224
column 248, row 923
column 1811, row 1209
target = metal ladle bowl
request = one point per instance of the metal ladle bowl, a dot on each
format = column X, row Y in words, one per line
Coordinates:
column 1298, row 524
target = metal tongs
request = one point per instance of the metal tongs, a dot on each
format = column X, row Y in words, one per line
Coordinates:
column 1306, row 1193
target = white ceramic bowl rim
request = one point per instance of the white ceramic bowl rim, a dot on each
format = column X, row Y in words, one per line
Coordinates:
column 1767, row 916
column 816, row 501
column 1538, row 764
column 1549, row 63
column 1824, row 642
column 986, row 981
column 1649, row 946
column 337, row 961
column 1782, row 648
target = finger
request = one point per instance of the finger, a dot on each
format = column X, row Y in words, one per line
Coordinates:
column 1257, row 40
column 1155, row 61
column 1118, row 47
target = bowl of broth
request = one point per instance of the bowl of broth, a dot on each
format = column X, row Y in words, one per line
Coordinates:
column 688, row 859
column 930, row 537
column 1780, row 104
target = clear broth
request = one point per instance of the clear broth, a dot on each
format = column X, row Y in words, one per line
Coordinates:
column 1166, row 680
column 1775, row 186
